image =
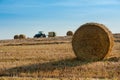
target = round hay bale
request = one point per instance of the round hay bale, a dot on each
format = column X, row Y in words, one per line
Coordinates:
column 16, row 37
column 69, row 33
column 22, row 36
column 92, row 42
column 51, row 34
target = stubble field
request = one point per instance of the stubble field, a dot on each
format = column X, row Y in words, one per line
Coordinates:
column 52, row 58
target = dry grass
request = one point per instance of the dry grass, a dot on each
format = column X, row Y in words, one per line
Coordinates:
column 29, row 78
column 54, row 61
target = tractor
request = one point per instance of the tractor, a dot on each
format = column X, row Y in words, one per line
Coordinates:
column 40, row 35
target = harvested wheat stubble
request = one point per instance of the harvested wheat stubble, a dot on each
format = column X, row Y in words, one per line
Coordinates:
column 92, row 42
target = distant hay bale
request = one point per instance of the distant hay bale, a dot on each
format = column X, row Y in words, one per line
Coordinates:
column 92, row 42
column 22, row 36
column 69, row 33
column 51, row 34
column 16, row 37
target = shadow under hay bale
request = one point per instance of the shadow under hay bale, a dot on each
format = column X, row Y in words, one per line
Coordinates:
column 42, row 67
column 92, row 42
column 113, row 59
column 63, row 68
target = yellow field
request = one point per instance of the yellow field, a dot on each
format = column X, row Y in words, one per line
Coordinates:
column 55, row 60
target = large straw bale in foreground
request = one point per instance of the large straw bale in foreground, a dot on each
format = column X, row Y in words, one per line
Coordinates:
column 92, row 42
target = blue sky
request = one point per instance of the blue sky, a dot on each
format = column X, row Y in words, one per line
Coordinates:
column 30, row 16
